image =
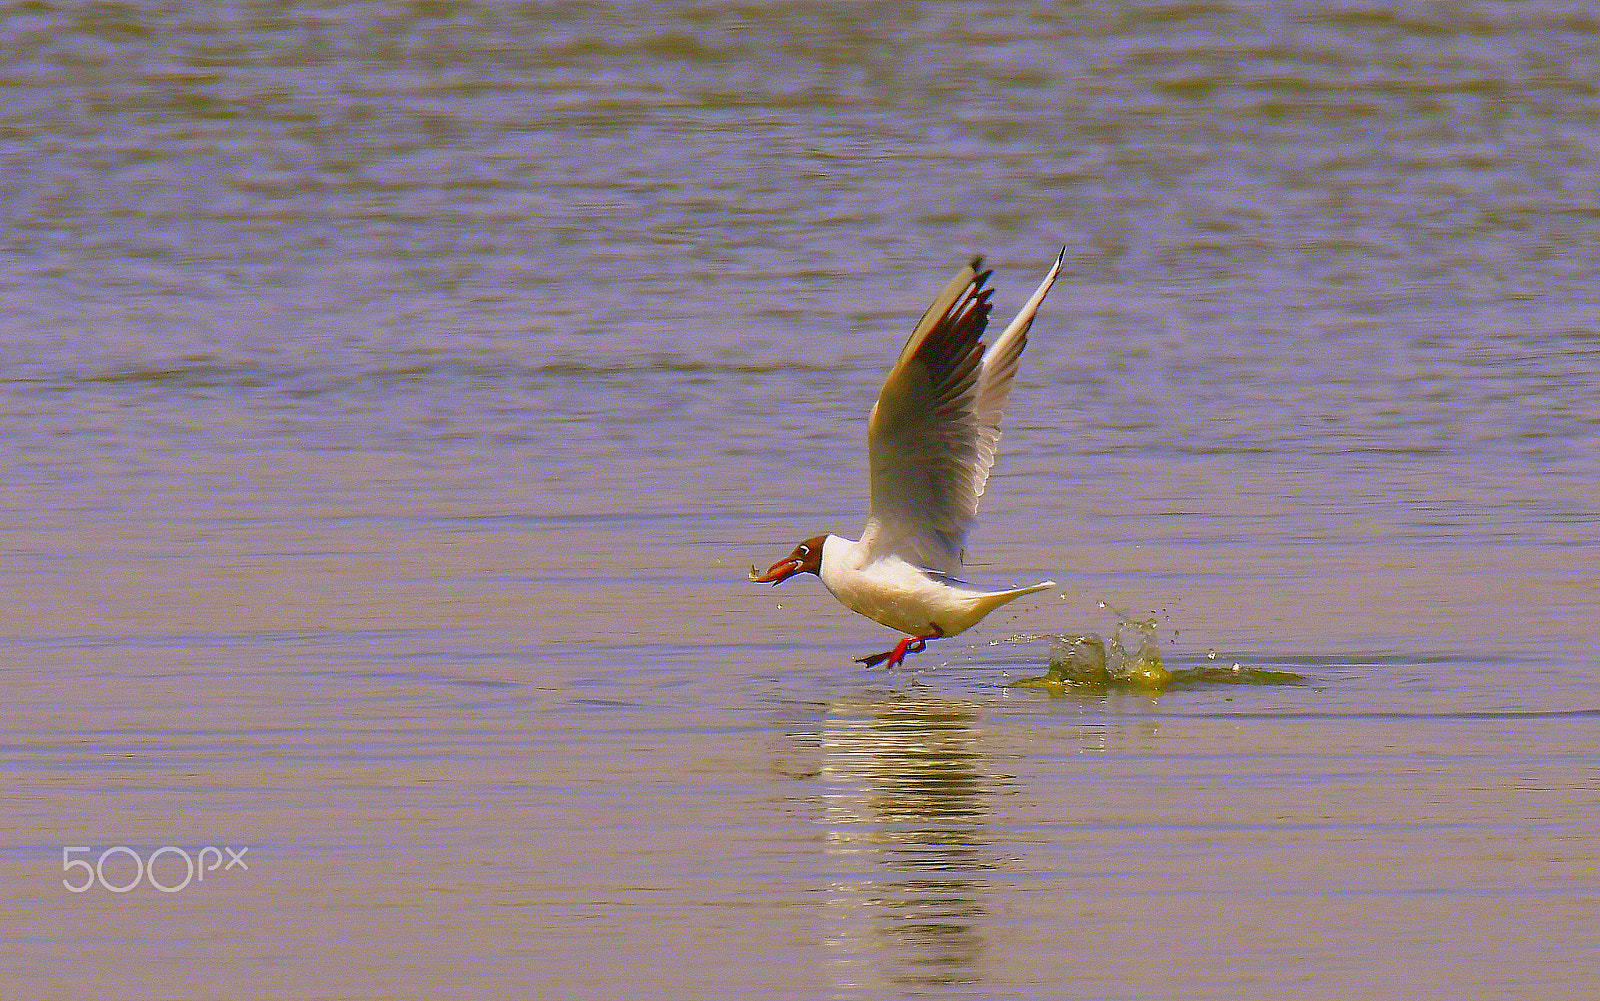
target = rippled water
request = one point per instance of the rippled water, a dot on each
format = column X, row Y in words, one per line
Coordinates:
column 393, row 395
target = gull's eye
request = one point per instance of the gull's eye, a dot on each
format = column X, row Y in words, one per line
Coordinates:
column 805, row 550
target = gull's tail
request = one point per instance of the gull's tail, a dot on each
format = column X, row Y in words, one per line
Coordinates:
column 995, row 599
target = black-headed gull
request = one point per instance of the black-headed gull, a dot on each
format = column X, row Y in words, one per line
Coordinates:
column 931, row 441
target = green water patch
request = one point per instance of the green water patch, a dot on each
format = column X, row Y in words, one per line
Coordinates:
column 1131, row 659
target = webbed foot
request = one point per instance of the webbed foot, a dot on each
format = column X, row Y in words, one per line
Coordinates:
column 897, row 656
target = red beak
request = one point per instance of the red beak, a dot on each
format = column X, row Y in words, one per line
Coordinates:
column 778, row 572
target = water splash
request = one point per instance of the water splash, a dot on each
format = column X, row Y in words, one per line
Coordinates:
column 1131, row 658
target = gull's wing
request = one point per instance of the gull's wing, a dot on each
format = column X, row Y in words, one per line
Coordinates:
column 994, row 380
column 932, row 437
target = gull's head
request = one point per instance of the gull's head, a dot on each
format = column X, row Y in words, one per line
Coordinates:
column 806, row 558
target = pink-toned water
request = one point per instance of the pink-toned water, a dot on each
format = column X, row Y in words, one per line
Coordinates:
column 393, row 401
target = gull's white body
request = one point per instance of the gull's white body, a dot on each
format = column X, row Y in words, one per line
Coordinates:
column 902, row 596
column 931, row 442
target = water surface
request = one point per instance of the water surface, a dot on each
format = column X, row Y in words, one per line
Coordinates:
column 393, row 396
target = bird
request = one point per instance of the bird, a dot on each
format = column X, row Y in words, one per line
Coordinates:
column 931, row 441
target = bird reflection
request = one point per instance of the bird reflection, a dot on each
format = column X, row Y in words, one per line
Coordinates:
column 906, row 800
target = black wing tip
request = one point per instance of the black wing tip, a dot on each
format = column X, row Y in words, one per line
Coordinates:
column 980, row 274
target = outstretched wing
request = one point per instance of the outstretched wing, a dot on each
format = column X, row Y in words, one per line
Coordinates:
column 933, row 434
column 994, row 381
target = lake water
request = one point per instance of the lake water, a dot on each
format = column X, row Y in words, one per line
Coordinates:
column 394, row 395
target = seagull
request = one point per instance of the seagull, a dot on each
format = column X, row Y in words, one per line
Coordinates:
column 931, row 441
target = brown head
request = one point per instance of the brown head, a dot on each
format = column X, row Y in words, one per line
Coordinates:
column 806, row 558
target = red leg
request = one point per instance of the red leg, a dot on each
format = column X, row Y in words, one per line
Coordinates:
column 897, row 656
